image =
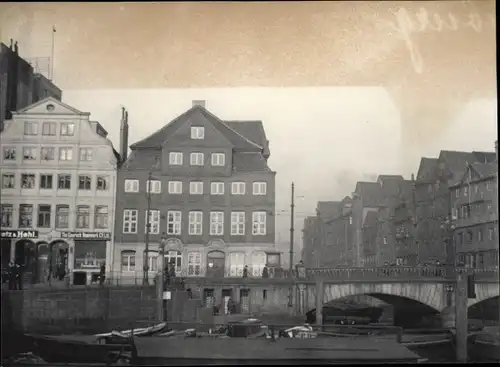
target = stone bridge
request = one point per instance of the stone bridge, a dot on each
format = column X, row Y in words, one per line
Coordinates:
column 428, row 286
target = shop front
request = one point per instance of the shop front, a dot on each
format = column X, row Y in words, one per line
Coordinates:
column 89, row 255
column 21, row 246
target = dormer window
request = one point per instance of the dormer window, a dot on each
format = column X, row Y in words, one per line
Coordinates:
column 197, row 132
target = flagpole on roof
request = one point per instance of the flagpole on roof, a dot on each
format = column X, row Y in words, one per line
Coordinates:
column 52, row 53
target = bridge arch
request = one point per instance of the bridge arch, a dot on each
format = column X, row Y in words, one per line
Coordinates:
column 428, row 294
column 485, row 310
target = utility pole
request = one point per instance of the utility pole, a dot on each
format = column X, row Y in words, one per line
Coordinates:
column 148, row 226
column 292, row 209
column 290, row 267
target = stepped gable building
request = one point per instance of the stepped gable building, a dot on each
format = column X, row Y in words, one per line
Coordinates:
column 212, row 199
column 58, row 192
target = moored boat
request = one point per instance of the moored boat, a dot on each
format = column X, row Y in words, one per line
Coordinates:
column 286, row 351
column 484, row 346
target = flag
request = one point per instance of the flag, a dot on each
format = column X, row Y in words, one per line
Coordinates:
column 53, row 29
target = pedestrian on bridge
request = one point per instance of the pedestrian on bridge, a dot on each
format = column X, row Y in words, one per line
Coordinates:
column 245, row 271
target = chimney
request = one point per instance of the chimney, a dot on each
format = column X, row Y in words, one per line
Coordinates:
column 16, row 49
column 124, row 136
column 200, row 103
column 11, row 44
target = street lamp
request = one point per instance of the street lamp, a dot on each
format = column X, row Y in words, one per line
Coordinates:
column 149, row 186
column 449, row 227
column 161, row 277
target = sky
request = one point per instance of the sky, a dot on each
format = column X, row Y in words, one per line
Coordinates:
column 323, row 139
column 346, row 90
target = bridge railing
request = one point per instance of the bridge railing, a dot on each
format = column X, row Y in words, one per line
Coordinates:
column 337, row 274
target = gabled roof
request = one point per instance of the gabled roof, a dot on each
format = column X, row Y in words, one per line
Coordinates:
column 482, row 171
column 54, row 101
column 485, row 157
column 252, row 130
column 427, row 169
column 157, row 139
column 370, row 192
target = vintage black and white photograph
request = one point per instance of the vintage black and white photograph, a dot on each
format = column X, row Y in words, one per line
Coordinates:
column 249, row 183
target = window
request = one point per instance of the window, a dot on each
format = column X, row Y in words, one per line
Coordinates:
column 102, row 183
column 466, row 191
column 490, row 234
column 130, row 221
column 47, row 154
column 27, row 181
column 131, row 185
column 196, row 188
column 86, row 154
column 64, row 182
column 25, row 216
column 194, row 263
column 175, row 187
column 49, row 128
column 153, row 186
column 460, row 238
column 65, row 154
column 457, row 193
column 84, row 182
column 259, row 223
column 128, row 261
column 176, row 258
column 82, row 216
column 217, row 188
column 152, row 261
column 488, row 186
column 44, row 214
column 174, row 222
column 7, row 213
column 216, row 223
column 218, row 159
column 237, row 223
column 238, row 188
column 101, row 217
column 196, row 159
column 197, row 132
column 236, row 264
column 476, row 188
column 469, row 236
column 195, row 223
column 259, row 188
column 175, row 158
column 30, row 128
column 480, row 235
column 9, row 153
column 258, row 263
column 29, row 153
column 62, row 216
column 154, row 221
column 67, row 129
column 8, row 181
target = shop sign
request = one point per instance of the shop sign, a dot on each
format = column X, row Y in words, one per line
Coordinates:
column 99, row 236
column 19, row 234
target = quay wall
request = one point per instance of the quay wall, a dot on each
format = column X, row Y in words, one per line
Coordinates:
column 89, row 310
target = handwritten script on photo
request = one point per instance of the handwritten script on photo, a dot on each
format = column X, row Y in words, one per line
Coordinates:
column 406, row 25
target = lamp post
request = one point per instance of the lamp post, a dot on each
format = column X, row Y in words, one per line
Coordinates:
column 145, row 276
column 161, row 278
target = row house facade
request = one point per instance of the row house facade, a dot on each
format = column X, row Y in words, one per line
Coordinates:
column 474, row 201
column 210, row 195
column 58, row 191
column 433, row 211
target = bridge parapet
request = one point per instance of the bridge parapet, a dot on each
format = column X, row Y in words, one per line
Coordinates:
column 282, row 276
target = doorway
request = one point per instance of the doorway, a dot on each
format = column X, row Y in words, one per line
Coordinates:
column 226, row 295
